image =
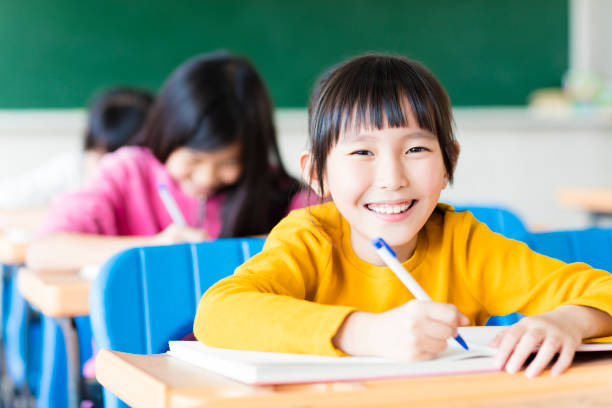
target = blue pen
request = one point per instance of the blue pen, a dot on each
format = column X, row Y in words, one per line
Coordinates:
column 389, row 257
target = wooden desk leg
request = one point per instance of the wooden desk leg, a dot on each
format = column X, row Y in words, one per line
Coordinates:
column 73, row 363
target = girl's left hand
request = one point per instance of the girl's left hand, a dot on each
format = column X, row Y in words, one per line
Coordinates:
column 548, row 331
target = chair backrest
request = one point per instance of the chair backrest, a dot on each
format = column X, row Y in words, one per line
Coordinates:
column 498, row 219
column 144, row 297
column 592, row 246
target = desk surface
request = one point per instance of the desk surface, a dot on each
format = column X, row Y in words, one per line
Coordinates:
column 595, row 200
column 12, row 252
column 57, row 294
column 162, row 381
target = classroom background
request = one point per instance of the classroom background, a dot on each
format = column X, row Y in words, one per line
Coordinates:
column 530, row 81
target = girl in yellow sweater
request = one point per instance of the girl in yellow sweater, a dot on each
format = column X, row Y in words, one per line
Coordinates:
column 382, row 148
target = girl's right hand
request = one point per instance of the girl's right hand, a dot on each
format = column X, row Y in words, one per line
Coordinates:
column 174, row 234
column 417, row 330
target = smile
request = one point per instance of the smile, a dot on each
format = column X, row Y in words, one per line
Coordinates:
column 385, row 208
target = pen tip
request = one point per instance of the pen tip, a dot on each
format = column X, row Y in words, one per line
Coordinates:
column 461, row 342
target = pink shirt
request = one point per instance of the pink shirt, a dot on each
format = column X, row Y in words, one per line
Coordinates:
column 122, row 199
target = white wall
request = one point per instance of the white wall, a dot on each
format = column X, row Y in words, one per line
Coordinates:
column 591, row 36
column 510, row 157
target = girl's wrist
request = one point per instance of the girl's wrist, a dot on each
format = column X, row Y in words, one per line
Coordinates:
column 583, row 319
column 354, row 336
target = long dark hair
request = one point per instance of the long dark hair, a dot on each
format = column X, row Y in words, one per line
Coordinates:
column 115, row 117
column 212, row 101
column 371, row 91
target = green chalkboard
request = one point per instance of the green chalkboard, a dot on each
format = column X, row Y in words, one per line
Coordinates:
column 55, row 54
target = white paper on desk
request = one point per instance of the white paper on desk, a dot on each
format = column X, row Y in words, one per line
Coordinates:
column 254, row 367
column 90, row 271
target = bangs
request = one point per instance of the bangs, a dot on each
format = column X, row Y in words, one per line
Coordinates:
column 374, row 95
column 220, row 126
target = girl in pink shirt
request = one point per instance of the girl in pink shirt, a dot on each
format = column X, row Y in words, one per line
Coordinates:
column 211, row 141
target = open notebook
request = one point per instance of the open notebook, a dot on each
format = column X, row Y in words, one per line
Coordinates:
column 253, row 367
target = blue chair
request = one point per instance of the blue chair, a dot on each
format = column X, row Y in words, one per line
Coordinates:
column 21, row 337
column 53, row 387
column 592, row 246
column 144, row 297
column 498, row 219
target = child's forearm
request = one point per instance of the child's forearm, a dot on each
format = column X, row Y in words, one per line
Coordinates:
column 353, row 335
column 24, row 219
column 589, row 321
column 70, row 251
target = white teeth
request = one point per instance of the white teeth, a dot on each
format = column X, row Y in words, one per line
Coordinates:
column 388, row 209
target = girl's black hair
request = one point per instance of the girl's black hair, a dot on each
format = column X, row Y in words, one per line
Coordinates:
column 115, row 117
column 212, row 101
column 372, row 91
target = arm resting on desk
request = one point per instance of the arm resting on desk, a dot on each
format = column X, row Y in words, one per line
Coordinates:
column 70, row 251
column 22, row 219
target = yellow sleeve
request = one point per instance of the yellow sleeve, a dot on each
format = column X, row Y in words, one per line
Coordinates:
column 264, row 305
column 507, row 276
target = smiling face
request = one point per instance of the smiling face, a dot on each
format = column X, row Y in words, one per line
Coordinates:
column 386, row 183
column 201, row 173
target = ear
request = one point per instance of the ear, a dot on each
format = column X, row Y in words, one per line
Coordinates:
column 456, row 151
column 309, row 175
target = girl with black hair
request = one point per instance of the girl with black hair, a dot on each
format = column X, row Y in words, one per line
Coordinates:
column 211, row 141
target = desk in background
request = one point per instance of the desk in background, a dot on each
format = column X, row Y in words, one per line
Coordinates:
column 160, row 380
column 596, row 201
column 62, row 296
column 12, row 252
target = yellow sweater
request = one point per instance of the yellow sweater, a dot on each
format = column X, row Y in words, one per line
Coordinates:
column 294, row 295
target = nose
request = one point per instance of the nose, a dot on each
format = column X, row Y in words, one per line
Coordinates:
column 391, row 174
column 204, row 176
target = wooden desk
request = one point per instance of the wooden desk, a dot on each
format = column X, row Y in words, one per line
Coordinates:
column 12, row 252
column 162, row 381
column 597, row 201
column 62, row 296
column 56, row 294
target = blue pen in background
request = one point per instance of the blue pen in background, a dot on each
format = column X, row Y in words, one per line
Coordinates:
column 170, row 204
column 389, row 257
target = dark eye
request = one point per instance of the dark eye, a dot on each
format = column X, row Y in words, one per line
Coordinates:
column 362, row 153
column 417, row 149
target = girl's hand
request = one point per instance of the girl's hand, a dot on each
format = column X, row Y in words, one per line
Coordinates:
column 174, row 234
column 417, row 330
column 550, row 331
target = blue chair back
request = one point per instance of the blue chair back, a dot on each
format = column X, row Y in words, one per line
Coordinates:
column 498, row 219
column 592, row 246
column 144, row 297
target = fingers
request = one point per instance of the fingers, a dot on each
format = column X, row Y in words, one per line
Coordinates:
column 447, row 314
column 175, row 233
column 508, row 342
column 440, row 331
column 427, row 347
column 517, row 343
column 565, row 359
column 495, row 343
column 547, row 351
